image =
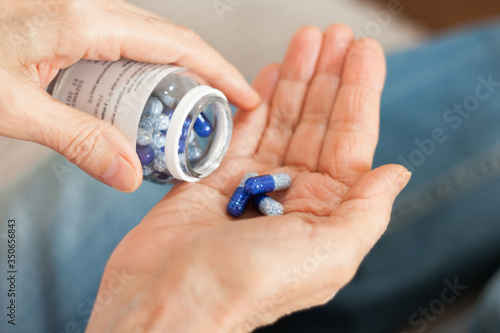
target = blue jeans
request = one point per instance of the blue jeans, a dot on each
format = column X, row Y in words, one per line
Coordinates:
column 442, row 242
column 440, row 118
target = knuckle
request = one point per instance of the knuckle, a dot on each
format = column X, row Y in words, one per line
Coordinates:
column 80, row 149
column 74, row 9
column 365, row 47
column 189, row 42
column 184, row 34
column 73, row 21
column 189, row 34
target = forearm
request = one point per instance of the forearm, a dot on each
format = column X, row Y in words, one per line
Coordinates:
column 182, row 298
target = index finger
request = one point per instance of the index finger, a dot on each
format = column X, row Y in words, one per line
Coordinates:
column 138, row 36
column 352, row 134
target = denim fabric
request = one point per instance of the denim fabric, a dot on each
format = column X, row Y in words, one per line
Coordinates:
column 488, row 311
column 67, row 227
column 444, row 230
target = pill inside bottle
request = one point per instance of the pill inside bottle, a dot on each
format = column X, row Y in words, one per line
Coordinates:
column 180, row 127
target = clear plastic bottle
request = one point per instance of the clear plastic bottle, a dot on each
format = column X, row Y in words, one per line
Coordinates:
column 180, row 126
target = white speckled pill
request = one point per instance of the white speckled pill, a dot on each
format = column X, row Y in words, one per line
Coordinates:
column 147, row 170
column 144, row 136
column 159, row 163
column 194, row 153
column 158, row 141
column 267, row 205
column 161, row 123
column 282, row 181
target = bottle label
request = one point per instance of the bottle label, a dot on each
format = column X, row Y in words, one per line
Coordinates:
column 112, row 91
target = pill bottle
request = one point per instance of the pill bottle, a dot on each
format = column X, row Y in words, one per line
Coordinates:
column 180, row 127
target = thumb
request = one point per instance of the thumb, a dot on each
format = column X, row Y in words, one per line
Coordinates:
column 368, row 204
column 95, row 146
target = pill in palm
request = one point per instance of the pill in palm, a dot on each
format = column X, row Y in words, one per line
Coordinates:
column 267, row 205
column 202, row 126
column 268, row 183
column 241, row 198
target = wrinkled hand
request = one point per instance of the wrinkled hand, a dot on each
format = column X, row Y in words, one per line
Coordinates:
column 192, row 268
column 40, row 37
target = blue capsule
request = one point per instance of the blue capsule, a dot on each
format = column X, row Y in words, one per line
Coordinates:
column 185, row 128
column 267, row 205
column 202, row 126
column 168, row 113
column 268, row 183
column 184, row 136
column 160, row 177
column 146, row 154
column 182, row 146
column 241, row 198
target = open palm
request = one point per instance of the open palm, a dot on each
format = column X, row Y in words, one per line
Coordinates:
column 193, row 268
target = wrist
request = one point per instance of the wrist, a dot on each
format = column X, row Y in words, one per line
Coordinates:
column 196, row 300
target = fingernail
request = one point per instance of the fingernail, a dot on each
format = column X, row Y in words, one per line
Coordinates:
column 121, row 175
column 403, row 180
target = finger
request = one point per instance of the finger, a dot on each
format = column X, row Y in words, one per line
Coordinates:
column 305, row 146
column 336, row 245
column 363, row 215
column 352, row 133
column 296, row 72
column 249, row 125
column 248, row 128
column 95, row 146
column 151, row 39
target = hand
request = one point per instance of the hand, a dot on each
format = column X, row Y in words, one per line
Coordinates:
column 192, row 268
column 40, row 37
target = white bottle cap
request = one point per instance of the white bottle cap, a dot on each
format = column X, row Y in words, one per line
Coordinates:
column 176, row 126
